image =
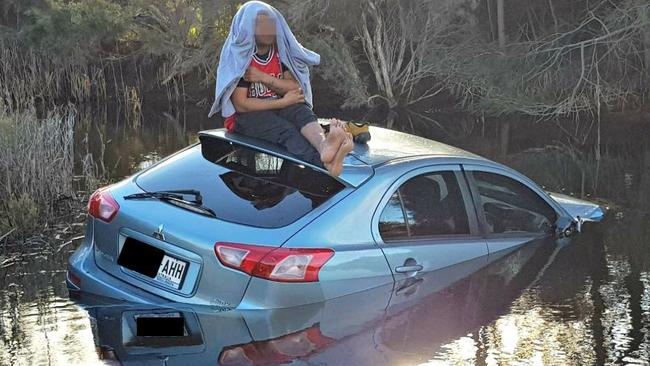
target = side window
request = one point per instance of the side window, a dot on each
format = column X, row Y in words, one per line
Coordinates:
column 510, row 206
column 392, row 224
column 426, row 205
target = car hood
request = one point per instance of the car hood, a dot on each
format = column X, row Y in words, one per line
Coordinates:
column 579, row 209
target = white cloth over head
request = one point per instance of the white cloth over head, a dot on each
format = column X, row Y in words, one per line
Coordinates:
column 239, row 47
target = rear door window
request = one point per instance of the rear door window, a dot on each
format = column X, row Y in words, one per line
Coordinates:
column 424, row 206
column 243, row 185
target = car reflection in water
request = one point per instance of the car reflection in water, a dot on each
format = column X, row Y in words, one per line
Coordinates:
column 406, row 324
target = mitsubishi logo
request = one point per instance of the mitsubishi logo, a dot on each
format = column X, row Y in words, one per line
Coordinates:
column 159, row 233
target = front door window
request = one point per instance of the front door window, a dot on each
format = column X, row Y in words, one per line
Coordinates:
column 511, row 207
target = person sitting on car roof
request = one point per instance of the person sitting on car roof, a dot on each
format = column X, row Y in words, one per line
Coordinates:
column 263, row 89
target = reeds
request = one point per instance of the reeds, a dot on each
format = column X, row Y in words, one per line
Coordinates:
column 36, row 165
column 29, row 78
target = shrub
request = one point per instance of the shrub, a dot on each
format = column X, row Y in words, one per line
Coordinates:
column 21, row 214
column 73, row 29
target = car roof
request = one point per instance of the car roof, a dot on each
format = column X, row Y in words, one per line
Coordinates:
column 385, row 145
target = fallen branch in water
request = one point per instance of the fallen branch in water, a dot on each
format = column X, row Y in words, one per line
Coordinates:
column 69, row 242
column 8, row 262
column 7, row 234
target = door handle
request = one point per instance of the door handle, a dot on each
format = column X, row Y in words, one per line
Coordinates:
column 407, row 269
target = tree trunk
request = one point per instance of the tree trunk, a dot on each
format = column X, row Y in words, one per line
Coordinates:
column 644, row 182
column 646, row 41
column 491, row 22
column 501, row 26
column 504, row 124
column 504, row 137
column 555, row 21
column 601, row 109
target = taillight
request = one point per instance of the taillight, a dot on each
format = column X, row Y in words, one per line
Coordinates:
column 74, row 279
column 277, row 351
column 281, row 264
column 101, row 205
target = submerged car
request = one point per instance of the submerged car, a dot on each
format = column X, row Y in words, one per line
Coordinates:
column 234, row 222
column 384, row 325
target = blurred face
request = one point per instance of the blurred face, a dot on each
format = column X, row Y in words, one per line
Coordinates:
column 265, row 30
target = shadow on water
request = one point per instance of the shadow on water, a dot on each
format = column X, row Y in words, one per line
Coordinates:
column 582, row 303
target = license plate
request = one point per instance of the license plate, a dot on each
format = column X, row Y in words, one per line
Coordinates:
column 171, row 272
column 160, row 325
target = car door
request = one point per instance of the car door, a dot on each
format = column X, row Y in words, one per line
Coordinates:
column 511, row 211
column 426, row 221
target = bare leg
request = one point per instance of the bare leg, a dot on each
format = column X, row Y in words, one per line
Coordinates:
column 327, row 146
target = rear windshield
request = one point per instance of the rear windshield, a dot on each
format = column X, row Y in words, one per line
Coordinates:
column 243, row 185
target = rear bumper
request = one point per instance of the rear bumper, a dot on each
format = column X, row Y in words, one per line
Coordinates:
column 90, row 279
column 94, row 280
column 86, row 277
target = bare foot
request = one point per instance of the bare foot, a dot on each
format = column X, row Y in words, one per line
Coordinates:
column 335, row 167
column 330, row 145
column 338, row 122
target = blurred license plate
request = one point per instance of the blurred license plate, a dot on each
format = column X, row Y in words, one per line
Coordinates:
column 160, row 325
column 171, row 272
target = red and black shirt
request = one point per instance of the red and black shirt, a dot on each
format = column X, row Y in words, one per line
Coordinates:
column 268, row 63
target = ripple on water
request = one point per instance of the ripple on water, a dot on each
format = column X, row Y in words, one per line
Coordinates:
column 57, row 332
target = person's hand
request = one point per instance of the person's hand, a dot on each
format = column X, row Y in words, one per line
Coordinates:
column 294, row 96
column 254, row 75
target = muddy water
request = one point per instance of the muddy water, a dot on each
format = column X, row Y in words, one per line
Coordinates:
column 580, row 303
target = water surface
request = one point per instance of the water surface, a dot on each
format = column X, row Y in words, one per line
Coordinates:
column 580, row 303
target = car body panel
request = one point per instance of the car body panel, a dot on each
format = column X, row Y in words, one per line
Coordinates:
column 388, row 145
column 500, row 243
column 353, row 268
column 580, row 209
column 94, row 280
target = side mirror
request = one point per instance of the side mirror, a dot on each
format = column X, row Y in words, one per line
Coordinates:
column 567, row 229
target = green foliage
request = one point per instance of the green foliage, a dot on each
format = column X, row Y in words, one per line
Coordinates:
column 186, row 35
column 595, row 60
column 562, row 61
column 77, row 28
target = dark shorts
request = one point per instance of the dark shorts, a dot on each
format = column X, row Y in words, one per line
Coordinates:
column 282, row 127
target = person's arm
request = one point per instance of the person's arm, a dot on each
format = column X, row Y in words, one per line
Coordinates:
column 244, row 104
column 280, row 86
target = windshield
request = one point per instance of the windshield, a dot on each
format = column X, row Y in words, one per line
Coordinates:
column 242, row 185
